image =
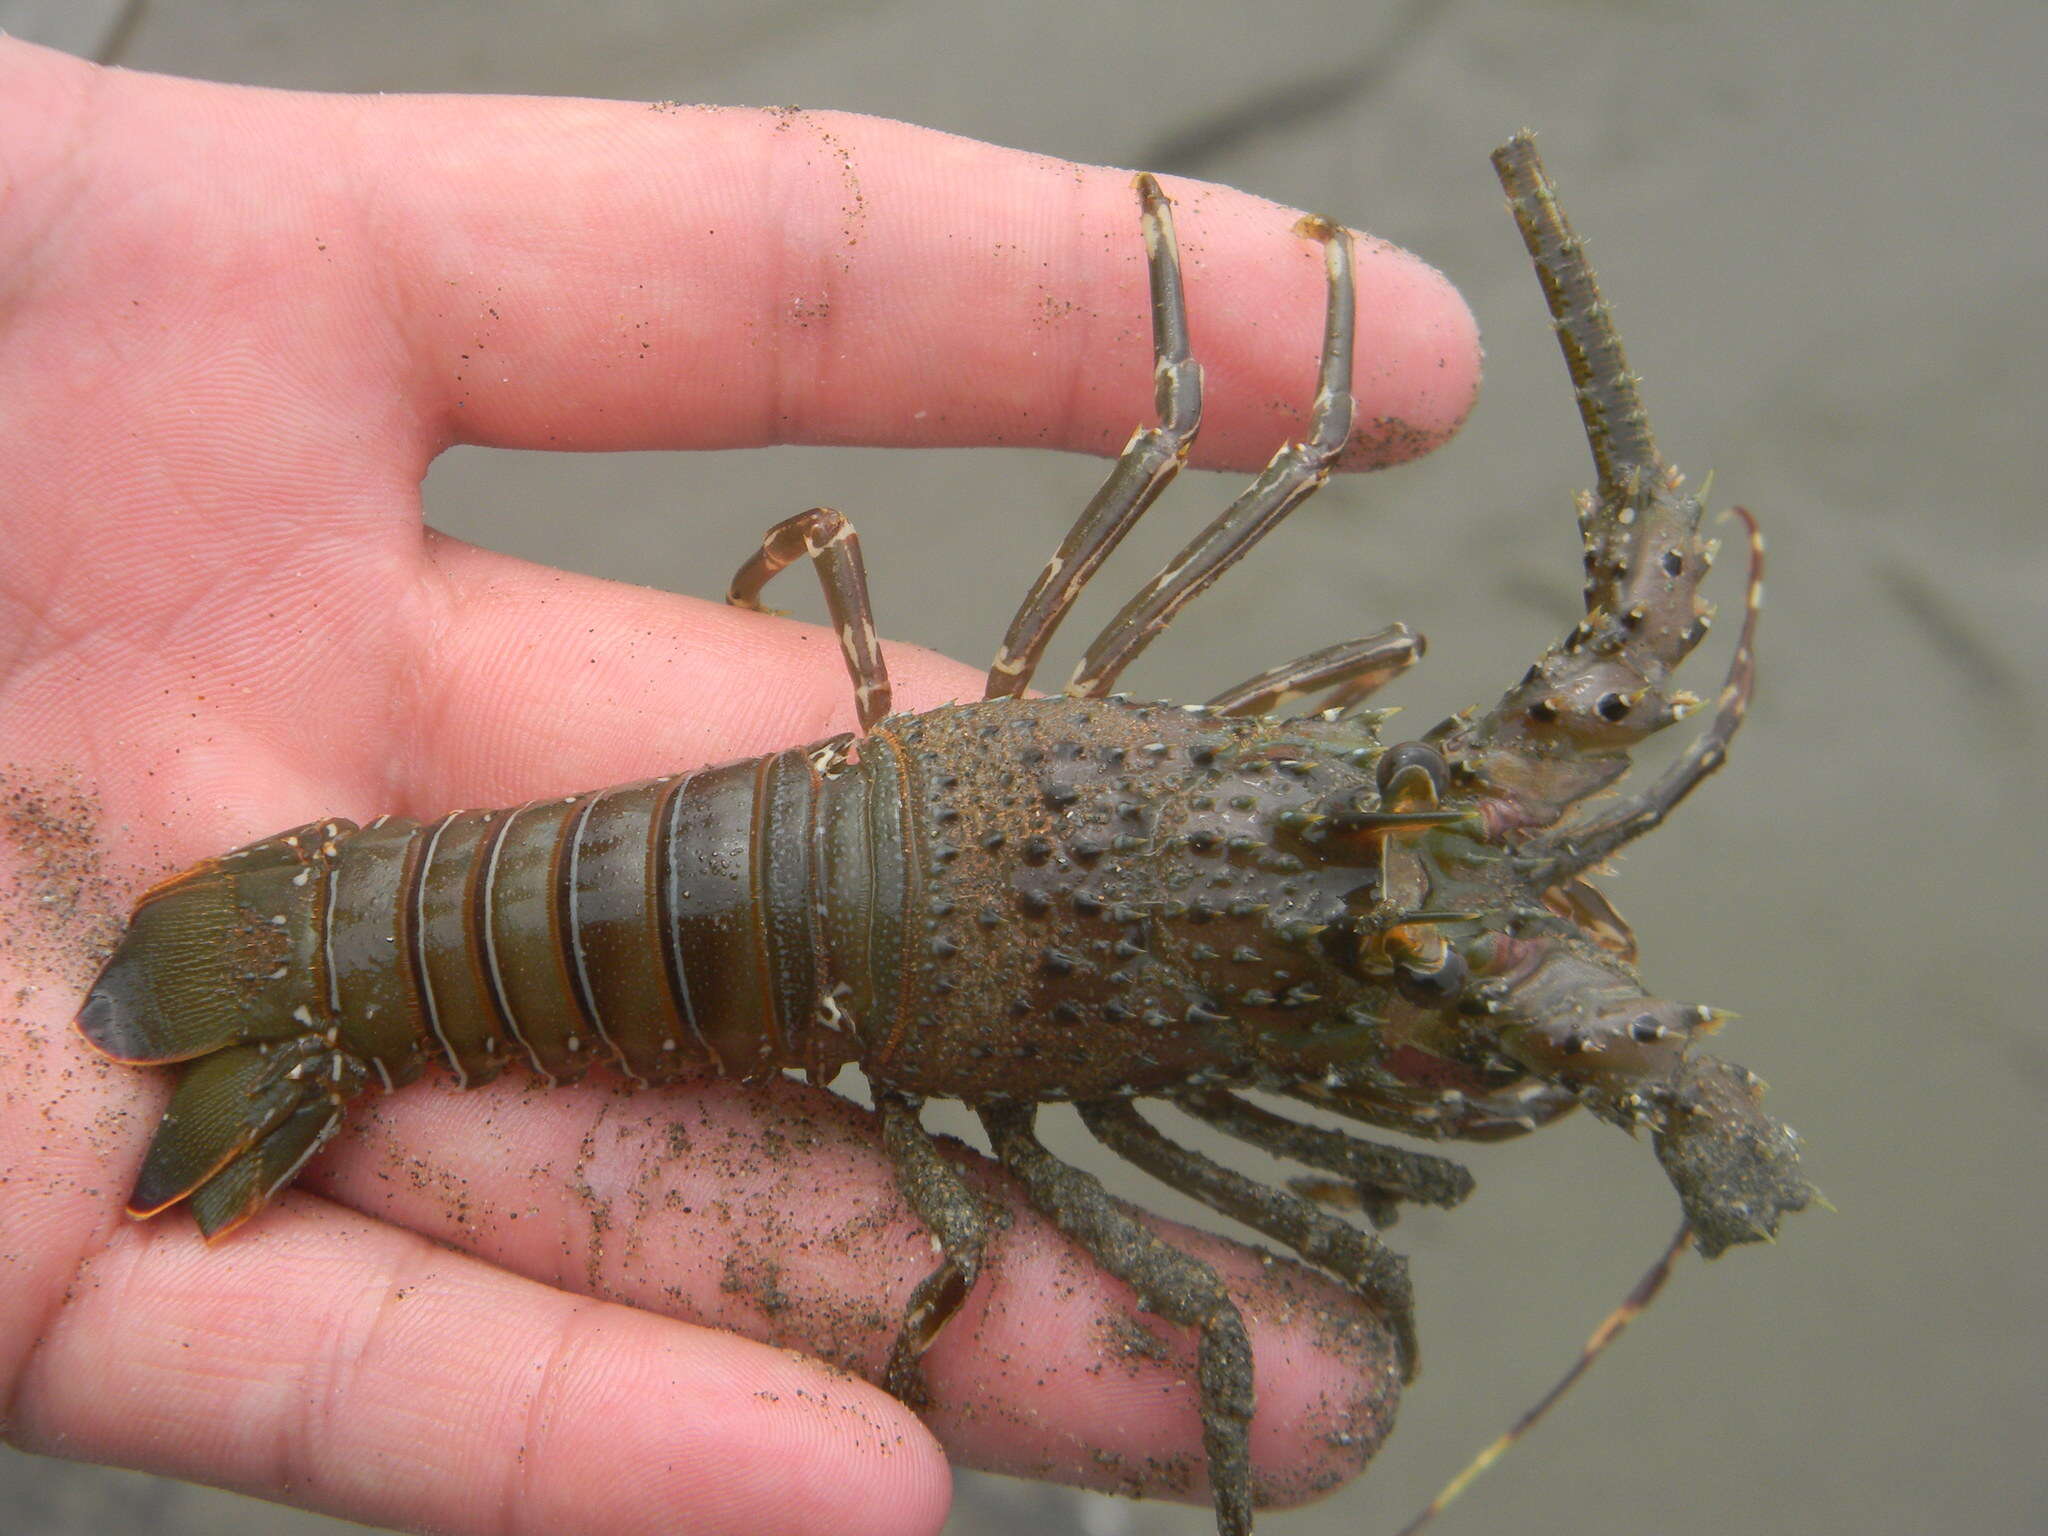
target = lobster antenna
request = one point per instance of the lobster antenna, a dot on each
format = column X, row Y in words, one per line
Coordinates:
column 1617, row 428
column 1629, row 819
column 1610, row 1329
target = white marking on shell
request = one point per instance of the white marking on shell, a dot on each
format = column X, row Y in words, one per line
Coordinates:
column 830, row 1015
column 587, row 992
column 327, row 909
column 490, row 942
column 419, row 955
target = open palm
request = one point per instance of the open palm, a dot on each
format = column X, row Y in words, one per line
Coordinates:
column 235, row 328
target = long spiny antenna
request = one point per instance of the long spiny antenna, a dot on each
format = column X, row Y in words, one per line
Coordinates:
column 1562, row 734
column 1617, row 427
column 1610, row 1329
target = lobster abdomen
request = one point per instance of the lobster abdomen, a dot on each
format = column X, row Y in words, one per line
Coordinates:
column 669, row 928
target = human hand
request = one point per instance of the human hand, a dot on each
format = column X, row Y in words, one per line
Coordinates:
column 235, row 328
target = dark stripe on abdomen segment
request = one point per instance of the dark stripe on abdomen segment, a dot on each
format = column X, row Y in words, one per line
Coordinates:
column 444, row 907
column 524, row 947
column 620, row 946
column 711, row 897
column 784, row 879
column 891, row 843
column 673, row 805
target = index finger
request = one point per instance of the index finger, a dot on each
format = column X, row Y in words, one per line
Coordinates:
column 713, row 277
column 608, row 275
column 599, row 275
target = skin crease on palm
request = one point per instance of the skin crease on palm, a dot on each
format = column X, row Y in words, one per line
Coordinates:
column 235, row 328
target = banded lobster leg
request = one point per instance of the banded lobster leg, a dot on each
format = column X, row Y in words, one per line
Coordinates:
column 1346, row 674
column 1148, row 463
column 1151, row 459
column 1354, row 1255
column 1179, row 1287
column 1294, row 474
column 828, row 540
column 1378, row 1177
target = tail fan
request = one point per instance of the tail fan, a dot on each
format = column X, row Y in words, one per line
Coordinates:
column 221, row 968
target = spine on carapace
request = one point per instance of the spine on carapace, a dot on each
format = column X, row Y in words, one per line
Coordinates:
column 683, row 925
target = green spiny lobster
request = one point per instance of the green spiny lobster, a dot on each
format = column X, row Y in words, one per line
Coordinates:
column 1021, row 900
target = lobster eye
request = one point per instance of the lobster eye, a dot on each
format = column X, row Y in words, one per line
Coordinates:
column 1403, row 771
column 1432, row 986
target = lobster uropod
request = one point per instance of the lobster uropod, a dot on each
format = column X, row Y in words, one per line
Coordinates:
column 1080, row 897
